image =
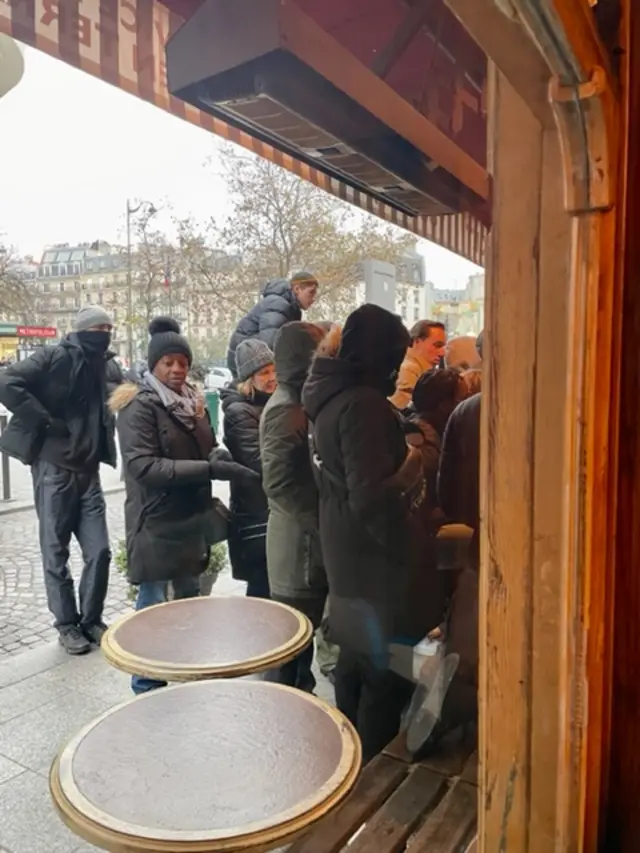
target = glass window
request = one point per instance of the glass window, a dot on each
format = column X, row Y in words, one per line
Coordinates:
column 54, row 269
column 61, row 287
column 49, row 257
column 78, row 255
column 64, row 256
column 45, row 287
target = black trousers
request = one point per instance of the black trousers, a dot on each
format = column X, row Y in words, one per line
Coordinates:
column 372, row 699
column 297, row 672
column 72, row 504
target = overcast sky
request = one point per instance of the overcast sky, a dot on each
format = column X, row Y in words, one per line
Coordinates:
column 74, row 149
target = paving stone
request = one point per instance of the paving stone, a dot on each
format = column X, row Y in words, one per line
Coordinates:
column 9, row 769
column 34, row 738
column 28, row 695
column 28, row 822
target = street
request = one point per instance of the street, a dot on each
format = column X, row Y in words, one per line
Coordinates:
column 25, row 621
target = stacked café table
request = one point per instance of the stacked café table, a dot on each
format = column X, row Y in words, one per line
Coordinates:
column 192, row 639
column 226, row 763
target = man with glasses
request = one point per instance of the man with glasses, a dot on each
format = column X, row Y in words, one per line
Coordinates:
column 428, row 343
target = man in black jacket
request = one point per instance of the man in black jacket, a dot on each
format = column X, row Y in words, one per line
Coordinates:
column 360, row 454
column 282, row 302
column 459, row 498
column 62, row 428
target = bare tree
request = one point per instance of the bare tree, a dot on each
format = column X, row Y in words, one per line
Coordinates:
column 280, row 223
column 17, row 302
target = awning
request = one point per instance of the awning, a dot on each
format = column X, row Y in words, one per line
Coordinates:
column 124, row 42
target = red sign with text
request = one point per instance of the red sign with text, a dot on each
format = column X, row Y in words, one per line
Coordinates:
column 36, row 332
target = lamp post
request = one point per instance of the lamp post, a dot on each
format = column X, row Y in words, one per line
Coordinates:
column 130, row 211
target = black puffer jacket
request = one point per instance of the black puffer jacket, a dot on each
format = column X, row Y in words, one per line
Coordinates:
column 365, row 522
column 168, row 486
column 294, row 554
column 248, row 504
column 57, row 383
column 277, row 307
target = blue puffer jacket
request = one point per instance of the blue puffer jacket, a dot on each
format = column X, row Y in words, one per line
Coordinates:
column 277, row 307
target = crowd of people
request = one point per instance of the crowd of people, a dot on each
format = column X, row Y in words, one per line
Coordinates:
column 347, row 449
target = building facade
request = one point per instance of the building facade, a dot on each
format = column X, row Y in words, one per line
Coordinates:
column 461, row 311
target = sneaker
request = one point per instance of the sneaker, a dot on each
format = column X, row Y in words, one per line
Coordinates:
column 73, row 641
column 94, row 633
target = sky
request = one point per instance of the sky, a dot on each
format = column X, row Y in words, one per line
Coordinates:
column 74, row 149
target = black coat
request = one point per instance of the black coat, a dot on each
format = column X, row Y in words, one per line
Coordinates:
column 365, row 524
column 57, row 383
column 248, row 503
column 459, row 473
column 277, row 307
column 168, row 485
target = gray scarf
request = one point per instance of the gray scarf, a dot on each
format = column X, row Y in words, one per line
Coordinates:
column 187, row 407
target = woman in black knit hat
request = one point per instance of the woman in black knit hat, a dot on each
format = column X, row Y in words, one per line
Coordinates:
column 169, row 456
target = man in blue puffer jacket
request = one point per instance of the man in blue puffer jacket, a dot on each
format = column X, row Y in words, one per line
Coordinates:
column 282, row 302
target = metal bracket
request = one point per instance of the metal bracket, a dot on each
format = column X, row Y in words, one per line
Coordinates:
column 581, row 118
column 591, row 88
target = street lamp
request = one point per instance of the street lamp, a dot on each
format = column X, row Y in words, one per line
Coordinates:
column 151, row 210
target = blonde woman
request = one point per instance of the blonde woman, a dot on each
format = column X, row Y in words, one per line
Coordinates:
column 242, row 406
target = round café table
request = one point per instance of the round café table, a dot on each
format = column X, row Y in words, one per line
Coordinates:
column 192, row 639
column 209, row 767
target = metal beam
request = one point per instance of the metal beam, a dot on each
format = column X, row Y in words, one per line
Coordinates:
column 509, row 46
column 401, row 39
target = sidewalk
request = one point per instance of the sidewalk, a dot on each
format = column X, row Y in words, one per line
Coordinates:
column 45, row 698
column 45, row 695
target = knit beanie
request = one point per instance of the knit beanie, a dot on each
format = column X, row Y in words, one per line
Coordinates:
column 306, row 279
column 166, row 340
column 251, row 356
column 90, row 316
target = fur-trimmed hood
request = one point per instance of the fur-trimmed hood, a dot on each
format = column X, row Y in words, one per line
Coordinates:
column 122, row 396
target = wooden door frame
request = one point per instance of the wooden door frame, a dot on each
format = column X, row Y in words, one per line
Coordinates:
column 550, row 413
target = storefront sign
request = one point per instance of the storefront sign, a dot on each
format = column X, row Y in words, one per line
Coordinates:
column 11, row 330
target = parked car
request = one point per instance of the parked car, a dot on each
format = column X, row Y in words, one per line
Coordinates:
column 218, row 378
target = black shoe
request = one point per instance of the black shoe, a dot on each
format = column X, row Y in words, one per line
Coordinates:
column 73, row 641
column 94, row 633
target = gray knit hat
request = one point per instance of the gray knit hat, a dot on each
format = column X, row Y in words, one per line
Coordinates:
column 251, row 356
column 89, row 316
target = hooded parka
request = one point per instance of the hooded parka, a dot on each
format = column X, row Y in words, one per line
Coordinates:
column 294, row 555
column 168, row 483
column 365, row 514
column 277, row 307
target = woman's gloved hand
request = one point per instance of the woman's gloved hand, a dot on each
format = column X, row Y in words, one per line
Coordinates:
column 222, row 467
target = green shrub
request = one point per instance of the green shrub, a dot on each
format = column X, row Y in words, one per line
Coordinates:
column 218, row 560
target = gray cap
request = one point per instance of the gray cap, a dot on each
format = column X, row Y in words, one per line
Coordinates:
column 251, row 356
column 89, row 316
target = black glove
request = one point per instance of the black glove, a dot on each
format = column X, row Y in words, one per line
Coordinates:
column 57, row 428
column 222, row 467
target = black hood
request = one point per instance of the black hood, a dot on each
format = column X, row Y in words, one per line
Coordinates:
column 230, row 395
column 294, row 348
column 369, row 352
column 328, row 378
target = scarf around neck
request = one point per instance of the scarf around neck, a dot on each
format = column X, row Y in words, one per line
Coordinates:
column 188, row 407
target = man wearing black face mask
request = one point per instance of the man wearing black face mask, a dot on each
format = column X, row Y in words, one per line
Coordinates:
column 62, row 428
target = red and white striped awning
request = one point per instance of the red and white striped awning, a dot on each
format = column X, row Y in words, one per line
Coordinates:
column 123, row 42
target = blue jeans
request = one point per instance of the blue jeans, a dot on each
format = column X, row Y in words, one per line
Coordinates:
column 156, row 592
